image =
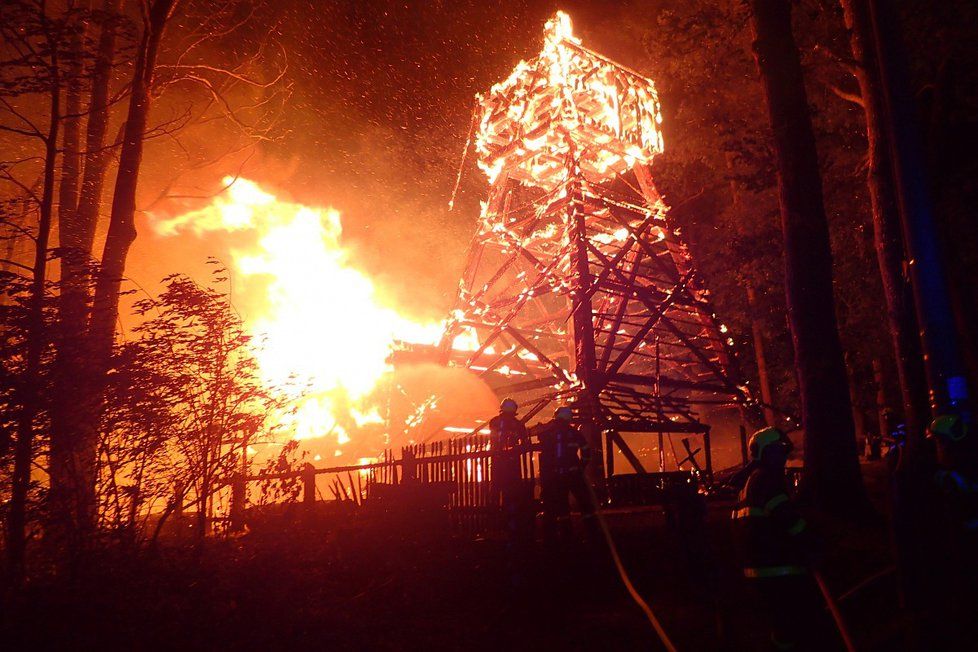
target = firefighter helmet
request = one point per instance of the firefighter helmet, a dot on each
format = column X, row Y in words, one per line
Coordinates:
column 766, row 437
column 508, row 406
column 948, row 428
column 563, row 414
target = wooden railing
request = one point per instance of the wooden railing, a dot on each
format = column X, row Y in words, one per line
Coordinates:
column 453, row 475
column 456, row 469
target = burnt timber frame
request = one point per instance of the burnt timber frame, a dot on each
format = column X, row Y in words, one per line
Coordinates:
column 576, row 290
column 572, row 323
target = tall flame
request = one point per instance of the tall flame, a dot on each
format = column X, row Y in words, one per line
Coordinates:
column 324, row 334
column 568, row 99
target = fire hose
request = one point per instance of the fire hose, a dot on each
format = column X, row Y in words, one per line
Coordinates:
column 625, row 579
column 830, row 601
column 833, row 606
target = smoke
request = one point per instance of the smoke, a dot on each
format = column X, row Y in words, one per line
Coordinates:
column 381, row 100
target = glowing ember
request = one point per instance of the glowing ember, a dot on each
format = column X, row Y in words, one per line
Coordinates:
column 324, row 336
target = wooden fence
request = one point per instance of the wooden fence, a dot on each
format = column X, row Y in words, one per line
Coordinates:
column 453, row 475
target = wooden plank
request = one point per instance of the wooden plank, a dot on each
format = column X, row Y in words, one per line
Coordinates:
column 627, row 452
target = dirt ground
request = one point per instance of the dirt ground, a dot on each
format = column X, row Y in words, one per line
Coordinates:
column 397, row 584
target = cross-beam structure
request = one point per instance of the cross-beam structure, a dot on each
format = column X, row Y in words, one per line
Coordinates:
column 577, row 290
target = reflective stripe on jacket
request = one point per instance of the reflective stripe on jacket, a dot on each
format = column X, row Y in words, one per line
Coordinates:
column 768, row 530
column 774, row 571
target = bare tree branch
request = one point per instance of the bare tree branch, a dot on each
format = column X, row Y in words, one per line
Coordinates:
column 14, row 263
column 34, row 130
column 846, row 62
column 855, row 98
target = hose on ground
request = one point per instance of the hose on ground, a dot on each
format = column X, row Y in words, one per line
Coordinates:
column 833, row 606
column 626, row 580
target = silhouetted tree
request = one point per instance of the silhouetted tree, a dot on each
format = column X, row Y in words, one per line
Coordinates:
column 189, row 402
column 831, row 461
column 223, row 91
column 38, row 47
column 901, row 318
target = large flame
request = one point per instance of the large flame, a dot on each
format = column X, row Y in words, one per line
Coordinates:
column 569, row 100
column 324, row 335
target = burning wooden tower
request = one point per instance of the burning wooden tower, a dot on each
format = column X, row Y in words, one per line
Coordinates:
column 576, row 290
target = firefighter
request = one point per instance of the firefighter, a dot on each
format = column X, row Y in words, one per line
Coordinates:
column 564, row 454
column 956, row 478
column 508, row 440
column 773, row 539
column 956, row 474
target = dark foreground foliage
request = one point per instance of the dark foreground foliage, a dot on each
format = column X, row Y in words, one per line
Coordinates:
column 385, row 582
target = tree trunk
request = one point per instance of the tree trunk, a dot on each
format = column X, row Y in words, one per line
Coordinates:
column 68, row 193
column 765, row 382
column 71, row 156
column 80, row 454
column 858, row 418
column 77, row 235
column 31, row 383
column 916, row 523
column 911, row 499
column 947, row 384
column 122, row 226
column 890, row 255
column 831, row 461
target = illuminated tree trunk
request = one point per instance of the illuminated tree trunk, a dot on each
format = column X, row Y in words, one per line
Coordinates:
column 761, row 358
column 76, row 476
column 122, row 227
column 947, row 383
column 71, row 156
column 948, row 392
column 911, row 498
column 68, row 193
column 890, row 255
column 831, row 461
column 76, row 236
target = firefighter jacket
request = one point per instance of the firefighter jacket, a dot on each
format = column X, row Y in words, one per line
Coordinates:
column 770, row 534
column 563, row 449
column 508, row 440
column 961, row 495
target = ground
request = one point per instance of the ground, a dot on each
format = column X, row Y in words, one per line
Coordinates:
column 379, row 584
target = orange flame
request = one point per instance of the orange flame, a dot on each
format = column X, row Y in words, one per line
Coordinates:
column 324, row 335
column 567, row 99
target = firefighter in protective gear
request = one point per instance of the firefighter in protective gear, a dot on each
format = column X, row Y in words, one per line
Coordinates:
column 772, row 538
column 564, row 454
column 956, row 478
column 950, row 433
column 508, row 441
